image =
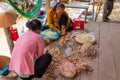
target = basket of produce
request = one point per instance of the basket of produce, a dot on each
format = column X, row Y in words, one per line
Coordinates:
column 85, row 38
column 67, row 69
column 88, row 50
column 50, row 34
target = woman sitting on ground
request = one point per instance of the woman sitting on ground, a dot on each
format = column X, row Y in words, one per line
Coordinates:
column 58, row 19
column 29, row 57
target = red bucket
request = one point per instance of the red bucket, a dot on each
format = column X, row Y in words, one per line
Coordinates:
column 14, row 33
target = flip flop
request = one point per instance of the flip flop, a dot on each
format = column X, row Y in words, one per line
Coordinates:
column 11, row 76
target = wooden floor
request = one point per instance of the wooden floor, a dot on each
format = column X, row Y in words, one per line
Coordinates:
column 107, row 65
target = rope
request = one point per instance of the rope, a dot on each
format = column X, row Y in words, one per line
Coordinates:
column 28, row 14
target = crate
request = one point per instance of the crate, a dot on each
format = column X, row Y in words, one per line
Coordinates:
column 78, row 24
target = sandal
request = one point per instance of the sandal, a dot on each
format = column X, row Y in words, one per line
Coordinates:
column 11, row 76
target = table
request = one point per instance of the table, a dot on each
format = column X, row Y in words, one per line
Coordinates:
column 81, row 7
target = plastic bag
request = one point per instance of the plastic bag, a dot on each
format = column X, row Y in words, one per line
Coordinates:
column 68, row 51
column 67, row 69
column 50, row 34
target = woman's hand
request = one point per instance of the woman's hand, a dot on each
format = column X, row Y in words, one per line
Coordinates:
column 63, row 31
column 59, row 31
column 45, row 51
column 47, row 41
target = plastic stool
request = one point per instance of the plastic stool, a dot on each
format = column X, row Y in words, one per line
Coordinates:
column 78, row 24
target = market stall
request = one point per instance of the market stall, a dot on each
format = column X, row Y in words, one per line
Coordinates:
column 68, row 51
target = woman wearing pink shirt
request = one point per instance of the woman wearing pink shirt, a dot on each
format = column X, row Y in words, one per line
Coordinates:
column 29, row 58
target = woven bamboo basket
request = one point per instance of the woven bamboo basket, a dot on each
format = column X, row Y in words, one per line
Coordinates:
column 4, row 61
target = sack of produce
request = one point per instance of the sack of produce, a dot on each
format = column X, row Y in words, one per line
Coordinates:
column 88, row 50
column 50, row 34
column 83, row 67
column 67, row 69
column 85, row 38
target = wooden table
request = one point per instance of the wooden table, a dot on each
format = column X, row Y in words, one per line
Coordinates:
column 81, row 7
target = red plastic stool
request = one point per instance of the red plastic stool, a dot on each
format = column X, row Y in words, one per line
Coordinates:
column 78, row 24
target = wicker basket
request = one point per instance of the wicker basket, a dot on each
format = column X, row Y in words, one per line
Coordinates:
column 4, row 61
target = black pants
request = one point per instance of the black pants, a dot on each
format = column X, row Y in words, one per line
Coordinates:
column 108, row 7
column 41, row 66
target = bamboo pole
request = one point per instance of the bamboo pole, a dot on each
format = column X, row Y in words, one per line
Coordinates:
column 93, row 10
column 9, row 39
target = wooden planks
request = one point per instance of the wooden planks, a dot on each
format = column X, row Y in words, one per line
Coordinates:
column 91, row 27
column 106, row 61
column 107, row 65
column 115, row 31
column 94, row 27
